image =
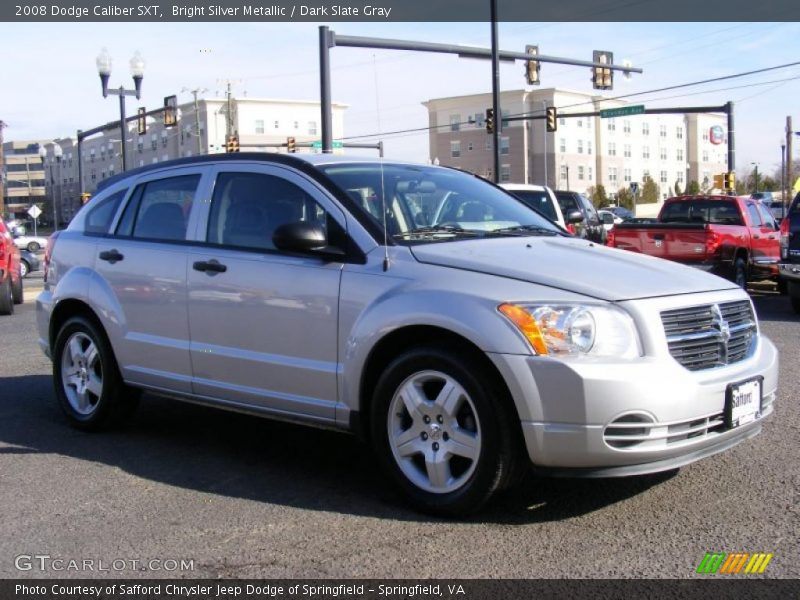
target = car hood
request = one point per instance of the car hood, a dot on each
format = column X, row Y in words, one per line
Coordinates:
column 572, row 264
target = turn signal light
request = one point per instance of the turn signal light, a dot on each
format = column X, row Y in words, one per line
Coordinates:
column 526, row 324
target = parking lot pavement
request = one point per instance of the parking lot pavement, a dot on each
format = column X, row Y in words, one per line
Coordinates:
column 244, row 497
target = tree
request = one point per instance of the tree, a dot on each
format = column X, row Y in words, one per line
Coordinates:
column 599, row 196
column 650, row 192
column 768, row 184
column 693, row 188
column 678, row 188
column 625, row 198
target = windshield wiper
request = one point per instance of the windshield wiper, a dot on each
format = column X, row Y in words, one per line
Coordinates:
column 434, row 229
column 522, row 230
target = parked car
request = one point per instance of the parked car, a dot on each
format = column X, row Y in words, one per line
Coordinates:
column 734, row 237
column 11, row 291
column 540, row 198
column 591, row 228
column 621, row 212
column 28, row 262
column 608, row 219
column 463, row 354
column 29, row 242
column 765, row 198
column 777, row 209
column 789, row 268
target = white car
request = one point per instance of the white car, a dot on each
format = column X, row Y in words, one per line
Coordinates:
column 30, row 243
column 539, row 197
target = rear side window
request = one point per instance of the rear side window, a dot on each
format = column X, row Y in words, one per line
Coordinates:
column 755, row 216
column 159, row 210
column 567, row 203
column 718, row 212
column 538, row 201
column 99, row 218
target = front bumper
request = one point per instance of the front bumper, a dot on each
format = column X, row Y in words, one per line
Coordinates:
column 568, row 409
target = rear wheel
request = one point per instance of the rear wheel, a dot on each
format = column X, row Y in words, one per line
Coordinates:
column 740, row 273
column 16, row 290
column 6, row 297
column 24, row 268
column 783, row 286
column 441, row 428
column 33, row 246
column 794, row 296
column 88, row 385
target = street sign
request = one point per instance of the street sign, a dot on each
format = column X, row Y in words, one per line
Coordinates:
column 34, row 211
column 622, row 111
column 634, row 187
column 317, row 145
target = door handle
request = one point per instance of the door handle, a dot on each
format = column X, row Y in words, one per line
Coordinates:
column 771, row 237
column 212, row 267
column 756, row 236
column 111, row 256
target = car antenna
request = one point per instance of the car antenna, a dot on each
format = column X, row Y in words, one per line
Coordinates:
column 380, row 159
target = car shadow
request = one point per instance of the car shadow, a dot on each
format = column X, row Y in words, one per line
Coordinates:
column 770, row 305
column 229, row 454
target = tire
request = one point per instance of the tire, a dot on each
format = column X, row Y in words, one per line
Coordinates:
column 794, row 296
column 17, row 294
column 33, row 246
column 24, row 268
column 87, row 382
column 457, row 449
column 740, row 273
column 6, row 298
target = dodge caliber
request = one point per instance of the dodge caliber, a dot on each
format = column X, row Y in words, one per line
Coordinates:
column 461, row 334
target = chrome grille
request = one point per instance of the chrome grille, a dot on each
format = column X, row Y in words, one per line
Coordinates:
column 703, row 337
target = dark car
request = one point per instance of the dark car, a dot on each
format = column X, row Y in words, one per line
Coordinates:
column 28, row 262
column 591, row 227
column 621, row 212
column 789, row 267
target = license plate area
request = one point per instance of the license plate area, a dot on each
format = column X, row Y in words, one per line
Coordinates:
column 743, row 402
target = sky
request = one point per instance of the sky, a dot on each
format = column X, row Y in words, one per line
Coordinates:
column 50, row 85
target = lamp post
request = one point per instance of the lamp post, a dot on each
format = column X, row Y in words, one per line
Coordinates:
column 57, row 152
column 783, row 178
column 137, row 72
column 755, row 176
column 544, row 137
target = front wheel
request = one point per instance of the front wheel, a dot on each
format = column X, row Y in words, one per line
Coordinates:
column 33, row 246
column 442, row 430
column 6, row 297
column 17, row 294
column 24, row 268
column 740, row 273
column 88, row 385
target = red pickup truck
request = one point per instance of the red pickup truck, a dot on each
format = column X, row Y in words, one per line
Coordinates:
column 10, row 277
column 734, row 237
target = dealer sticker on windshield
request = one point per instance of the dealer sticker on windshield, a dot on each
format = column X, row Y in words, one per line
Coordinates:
column 743, row 402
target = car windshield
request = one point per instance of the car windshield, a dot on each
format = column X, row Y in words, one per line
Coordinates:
column 538, row 200
column 719, row 212
column 425, row 204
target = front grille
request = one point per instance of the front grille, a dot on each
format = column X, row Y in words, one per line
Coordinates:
column 638, row 432
column 703, row 337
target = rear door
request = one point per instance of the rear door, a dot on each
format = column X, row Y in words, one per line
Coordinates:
column 263, row 321
column 144, row 264
column 770, row 235
column 762, row 236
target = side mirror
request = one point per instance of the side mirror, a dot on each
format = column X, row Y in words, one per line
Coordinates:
column 299, row 237
column 575, row 216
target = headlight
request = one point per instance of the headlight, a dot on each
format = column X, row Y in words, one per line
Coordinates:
column 575, row 329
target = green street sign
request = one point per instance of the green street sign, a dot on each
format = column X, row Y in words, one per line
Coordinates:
column 318, row 144
column 623, row 111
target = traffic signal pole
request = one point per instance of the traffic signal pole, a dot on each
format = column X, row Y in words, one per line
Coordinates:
column 731, row 147
column 498, row 125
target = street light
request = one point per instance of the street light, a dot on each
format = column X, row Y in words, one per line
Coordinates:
column 783, row 178
column 755, row 175
column 57, row 152
column 137, row 64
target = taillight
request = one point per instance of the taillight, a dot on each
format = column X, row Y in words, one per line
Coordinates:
column 785, row 237
column 610, row 238
column 713, row 241
column 48, row 252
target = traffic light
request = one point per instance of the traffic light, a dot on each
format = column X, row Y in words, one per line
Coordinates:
column 602, row 78
column 552, row 119
column 141, row 120
column 232, row 143
column 291, row 145
column 729, row 180
column 170, row 111
column 532, row 67
column 720, row 181
column 489, row 120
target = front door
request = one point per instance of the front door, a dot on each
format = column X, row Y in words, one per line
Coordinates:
column 264, row 322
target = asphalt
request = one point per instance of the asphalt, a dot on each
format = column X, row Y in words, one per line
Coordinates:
column 244, row 497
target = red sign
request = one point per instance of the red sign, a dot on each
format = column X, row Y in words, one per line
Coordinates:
column 716, row 135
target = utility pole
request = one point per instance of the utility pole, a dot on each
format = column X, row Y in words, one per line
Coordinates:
column 194, row 93
column 229, row 116
column 544, row 137
column 498, row 117
column 789, row 154
column 731, row 146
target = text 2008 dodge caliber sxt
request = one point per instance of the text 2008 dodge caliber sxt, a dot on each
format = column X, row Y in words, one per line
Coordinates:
column 462, row 334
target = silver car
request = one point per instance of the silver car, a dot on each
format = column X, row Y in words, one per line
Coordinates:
column 466, row 337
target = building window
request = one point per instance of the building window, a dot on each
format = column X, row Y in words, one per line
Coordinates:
column 626, row 151
column 164, row 139
column 94, row 175
column 612, row 125
column 297, row 124
column 153, row 141
column 679, row 177
column 505, row 172
column 580, row 146
column 663, row 178
column 562, row 145
column 626, row 126
column 455, row 122
column 589, row 126
column 165, row 157
column 110, row 173
column 612, row 149
column 504, row 144
column 705, row 155
column 562, row 121
column 679, row 154
column 589, row 147
column 488, row 144
column 705, row 135
column 478, row 120
column 612, row 174
column 91, row 156
column 155, row 160
column 102, row 153
column 102, row 176
column 590, row 173
column 581, row 172
column 563, row 173
column 277, row 124
column 679, row 132
column 312, row 128
column 259, row 126
column 469, row 146
column 580, row 122
column 645, row 129
column 626, row 174
column 662, row 153
column 455, row 149
column 505, row 114
column 140, row 145
column 663, row 131
column 645, row 151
